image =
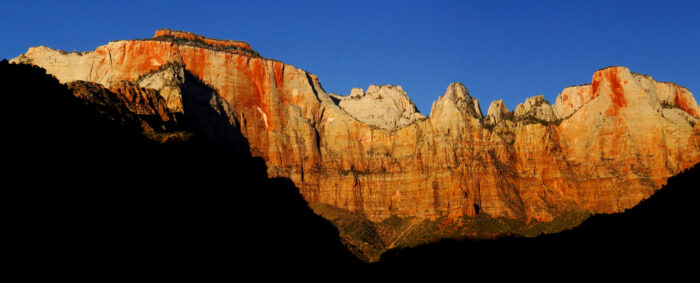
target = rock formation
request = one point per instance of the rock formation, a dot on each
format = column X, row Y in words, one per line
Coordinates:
column 536, row 108
column 128, row 103
column 600, row 148
column 386, row 107
column 498, row 112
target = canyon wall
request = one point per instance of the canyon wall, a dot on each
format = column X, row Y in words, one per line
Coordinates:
column 601, row 147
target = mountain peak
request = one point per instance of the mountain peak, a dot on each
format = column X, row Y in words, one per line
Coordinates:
column 384, row 106
column 497, row 112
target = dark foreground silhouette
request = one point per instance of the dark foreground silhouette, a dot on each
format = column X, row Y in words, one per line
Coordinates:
column 85, row 195
column 88, row 195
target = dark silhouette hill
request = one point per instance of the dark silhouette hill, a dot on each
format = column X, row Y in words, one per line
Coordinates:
column 87, row 194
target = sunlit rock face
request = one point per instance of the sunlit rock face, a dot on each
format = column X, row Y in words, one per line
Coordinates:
column 537, row 108
column 498, row 112
column 387, row 107
column 627, row 131
column 601, row 147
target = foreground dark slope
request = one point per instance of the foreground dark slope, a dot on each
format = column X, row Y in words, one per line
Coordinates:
column 660, row 232
column 88, row 193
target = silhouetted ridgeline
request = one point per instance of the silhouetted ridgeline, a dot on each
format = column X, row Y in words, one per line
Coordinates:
column 87, row 194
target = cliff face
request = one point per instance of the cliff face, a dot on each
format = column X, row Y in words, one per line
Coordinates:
column 601, row 147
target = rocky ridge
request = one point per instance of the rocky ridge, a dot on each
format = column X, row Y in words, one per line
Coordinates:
column 601, row 148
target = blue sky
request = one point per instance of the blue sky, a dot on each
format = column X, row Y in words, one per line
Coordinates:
column 499, row 49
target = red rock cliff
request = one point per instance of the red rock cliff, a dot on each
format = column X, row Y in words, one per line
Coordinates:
column 601, row 147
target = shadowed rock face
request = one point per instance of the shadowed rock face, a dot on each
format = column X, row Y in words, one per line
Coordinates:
column 600, row 148
column 129, row 105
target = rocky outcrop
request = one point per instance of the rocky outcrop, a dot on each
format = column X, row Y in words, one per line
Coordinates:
column 458, row 97
column 128, row 104
column 536, row 108
column 600, row 148
column 497, row 112
column 168, row 80
column 387, row 107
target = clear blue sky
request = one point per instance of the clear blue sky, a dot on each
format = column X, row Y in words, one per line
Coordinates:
column 498, row 49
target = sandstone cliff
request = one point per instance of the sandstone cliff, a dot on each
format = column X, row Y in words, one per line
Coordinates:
column 600, row 148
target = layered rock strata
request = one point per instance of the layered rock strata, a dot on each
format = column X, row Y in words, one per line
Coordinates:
column 601, row 147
